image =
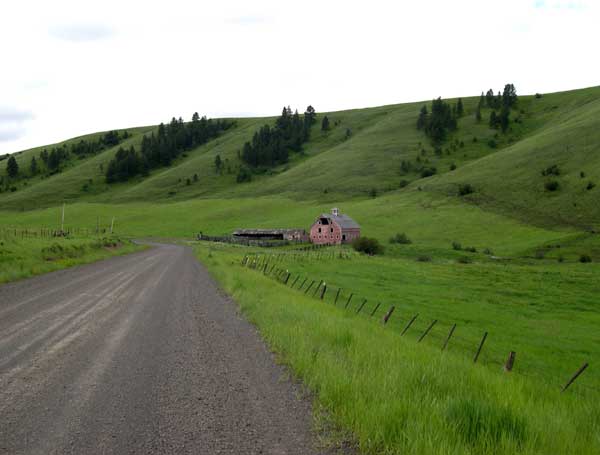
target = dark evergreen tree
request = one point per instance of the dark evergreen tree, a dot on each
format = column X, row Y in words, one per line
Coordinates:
column 423, row 118
column 489, row 99
column 12, row 167
column 493, row 119
column 509, row 96
column 33, row 166
column 218, row 164
column 459, row 108
column 325, row 124
column 503, row 119
column 478, row 112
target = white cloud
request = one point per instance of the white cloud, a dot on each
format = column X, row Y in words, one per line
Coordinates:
column 135, row 65
column 12, row 123
column 81, row 32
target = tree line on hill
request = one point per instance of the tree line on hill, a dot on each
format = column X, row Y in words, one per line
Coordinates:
column 160, row 149
column 271, row 145
column 442, row 117
column 50, row 161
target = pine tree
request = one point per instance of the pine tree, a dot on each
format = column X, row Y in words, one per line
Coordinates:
column 325, row 124
column 493, row 119
column 459, row 108
column 504, row 120
column 12, row 168
column 478, row 113
column 218, row 163
column 489, row 98
column 423, row 117
column 33, row 166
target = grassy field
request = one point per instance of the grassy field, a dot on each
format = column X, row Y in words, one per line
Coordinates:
column 23, row 257
column 524, row 285
column 397, row 396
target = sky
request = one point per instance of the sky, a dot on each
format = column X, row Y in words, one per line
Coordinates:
column 76, row 67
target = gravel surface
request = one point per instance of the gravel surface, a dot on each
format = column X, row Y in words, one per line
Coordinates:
column 140, row 354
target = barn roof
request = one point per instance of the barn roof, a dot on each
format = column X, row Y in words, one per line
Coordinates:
column 344, row 221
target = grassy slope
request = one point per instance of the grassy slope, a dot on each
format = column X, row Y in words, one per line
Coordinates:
column 507, row 179
column 26, row 257
column 395, row 396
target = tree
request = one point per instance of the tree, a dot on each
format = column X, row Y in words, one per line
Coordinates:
column 489, row 99
column 423, row 117
column 12, row 168
column 218, row 163
column 509, row 95
column 311, row 114
column 503, row 119
column 325, row 124
column 33, row 166
column 459, row 108
column 478, row 113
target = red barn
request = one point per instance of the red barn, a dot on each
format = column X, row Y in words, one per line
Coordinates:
column 334, row 228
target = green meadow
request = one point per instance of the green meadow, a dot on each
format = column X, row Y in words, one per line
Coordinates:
column 517, row 275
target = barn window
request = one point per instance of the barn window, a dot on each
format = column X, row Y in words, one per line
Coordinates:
column 331, row 229
column 319, row 229
column 324, row 221
column 344, row 237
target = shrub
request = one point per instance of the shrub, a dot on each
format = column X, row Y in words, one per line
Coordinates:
column 465, row 188
column 428, row 172
column 403, row 183
column 582, row 174
column 471, row 249
column 552, row 170
column 400, row 238
column 465, row 260
column 561, row 258
column 424, row 258
column 367, row 245
column 244, row 175
column 456, row 246
column 452, row 167
column 540, row 254
column 538, row 95
column 492, row 144
column 585, row 258
column 552, row 185
column 590, row 186
column 373, row 192
column 488, row 252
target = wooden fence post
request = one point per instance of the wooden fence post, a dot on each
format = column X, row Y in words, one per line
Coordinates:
column 375, row 309
column 409, row 324
column 575, row 376
column 480, row 347
column 387, row 316
column 361, row 306
column 302, row 285
column 287, row 278
column 309, row 286
column 337, row 294
column 295, row 281
column 448, row 337
column 348, row 302
column 508, row 366
column 427, row 330
column 324, row 290
column 317, row 288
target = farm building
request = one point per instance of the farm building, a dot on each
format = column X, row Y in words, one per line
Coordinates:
column 334, row 228
column 298, row 235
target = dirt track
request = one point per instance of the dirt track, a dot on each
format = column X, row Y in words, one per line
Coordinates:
column 139, row 354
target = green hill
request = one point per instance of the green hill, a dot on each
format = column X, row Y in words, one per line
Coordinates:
column 362, row 155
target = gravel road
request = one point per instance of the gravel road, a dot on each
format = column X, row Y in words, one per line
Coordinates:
column 140, row 354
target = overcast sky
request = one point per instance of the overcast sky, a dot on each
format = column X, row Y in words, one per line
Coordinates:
column 75, row 67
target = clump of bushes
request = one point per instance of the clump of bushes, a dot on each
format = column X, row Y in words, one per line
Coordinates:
column 492, row 144
column 552, row 170
column 403, row 183
column 488, row 252
column 585, row 258
column 465, row 188
column 465, row 260
column 400, row 238
column 456, row 246
column 471, row 249
column 590, row 186
column 552, row 185
column 428, row 172
column 243, row 175
column 424, row 258
column 367, row 245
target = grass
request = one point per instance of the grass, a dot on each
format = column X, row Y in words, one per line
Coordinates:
column 394, row 395
column 26, row 257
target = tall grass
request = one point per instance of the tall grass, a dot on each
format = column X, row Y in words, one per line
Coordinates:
column 399, row 397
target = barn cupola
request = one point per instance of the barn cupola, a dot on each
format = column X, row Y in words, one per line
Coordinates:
column 335, row 211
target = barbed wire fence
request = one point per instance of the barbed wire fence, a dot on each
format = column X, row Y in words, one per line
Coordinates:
column 445, row 335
